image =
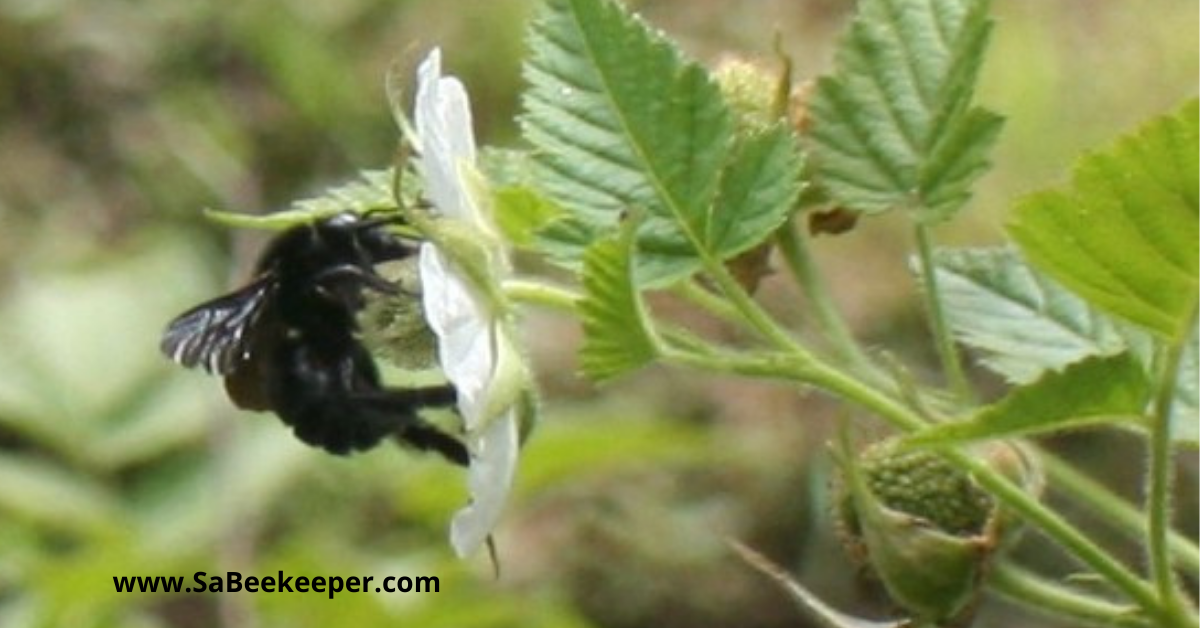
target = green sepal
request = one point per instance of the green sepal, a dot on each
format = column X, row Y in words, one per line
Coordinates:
column 370, row 191
column 472, row 246
column 511, row 385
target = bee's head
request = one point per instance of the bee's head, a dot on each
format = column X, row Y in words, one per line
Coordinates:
column 371, row 235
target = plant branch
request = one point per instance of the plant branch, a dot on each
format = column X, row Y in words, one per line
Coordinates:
column 709, row 302
column 1161, row 476
column 795, row 364
column 947, row 353
column 1010, row 494
column 1039, row 594
column 543, row 294
column 1114, row 511
column 754, row 314
column 1067, row 535
column 803, row 268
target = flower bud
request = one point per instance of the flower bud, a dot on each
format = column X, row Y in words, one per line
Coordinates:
column 753, row 93
column 750, row 91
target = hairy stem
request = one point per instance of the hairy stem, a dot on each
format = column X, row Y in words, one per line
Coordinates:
column 1065, row 534
column 1036, row 593
column 1011, row 495
column 802, row 266
column 947, row 353
column 709, row 302
column 543, row 294
column 754, row 314
column 1160, row 479
column 1114, row 511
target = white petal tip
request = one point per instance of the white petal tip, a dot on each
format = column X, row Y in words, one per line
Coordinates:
column 490, row 478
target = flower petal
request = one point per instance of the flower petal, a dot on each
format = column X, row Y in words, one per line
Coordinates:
column 493, row 464
column 458, row 268
column 443, row 124
column 463, row 329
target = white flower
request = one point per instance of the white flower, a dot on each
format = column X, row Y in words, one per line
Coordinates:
column 460, row 268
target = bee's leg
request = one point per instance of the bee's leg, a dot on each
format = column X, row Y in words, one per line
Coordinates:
column 426, row 437
column 343, row 423
column 404, row 402
column 440, row 396
column 329, row 279
column 341, row 407
column 382, row 245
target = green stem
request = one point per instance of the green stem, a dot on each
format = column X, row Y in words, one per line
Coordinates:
column 751, row 310
column 1158, row 494
column 1036, row 593
column 850, row 388
column 711, row 303
column 1067, row 535
column 806, row 370
column 566, row 300
column 947, row 353
column 543, row 294
column 803, row 268
column 1113, row 510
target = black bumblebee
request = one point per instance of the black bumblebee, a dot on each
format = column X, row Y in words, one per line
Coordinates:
column 287, row 342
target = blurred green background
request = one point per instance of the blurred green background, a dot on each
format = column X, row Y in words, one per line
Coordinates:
column 120, row 120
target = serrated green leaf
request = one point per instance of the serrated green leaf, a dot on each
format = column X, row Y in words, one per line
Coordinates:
column 617, row 336
column 505, row 167
column 1024, row 322
column 1126, row 234
column 371, row 191
column 621, row 122
column 893, row 127
column 762, row 173
column 1112, row 389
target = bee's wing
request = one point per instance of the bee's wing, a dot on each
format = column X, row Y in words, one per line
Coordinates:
column 217, row 335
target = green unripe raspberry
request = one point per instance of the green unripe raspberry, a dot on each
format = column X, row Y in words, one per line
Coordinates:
column 922, row 484
column 924, row 528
